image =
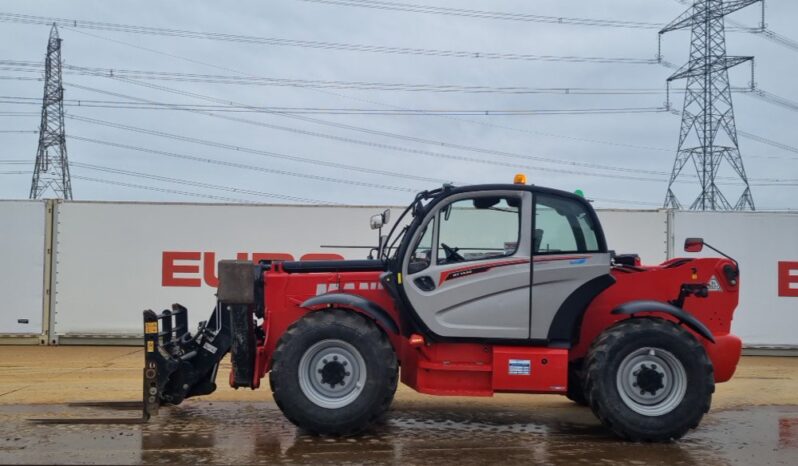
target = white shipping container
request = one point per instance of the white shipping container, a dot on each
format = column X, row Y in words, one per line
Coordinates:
column 117, row 259
column 643, row 232
column 760, row 241
column 22, row 254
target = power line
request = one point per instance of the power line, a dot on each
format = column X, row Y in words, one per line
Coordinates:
column 218, row 108
column 353, row 128
column 482, row 123
column 366, row 85
column 337, row 111
column 480, row 14
column 358, row 85
column 244, row 191
column 232, row 108
column 23, row 63
column 19, row 114
column 775, row 37
column 764, row 140
column 198, row 184
column 327, row 84
column 237, row 190
column 257, row 193
column 767, row 141
column 225, row 163
column 360, row 99
column 254, row 167
column 410, row 138
column 761, row 30
column 633, row 178
column 312, row 44
column 771, row 98
column 259, row 152
column 410, row 150
column 20, row 78
column 160, row 190
column 507, row 16
column 337, row 165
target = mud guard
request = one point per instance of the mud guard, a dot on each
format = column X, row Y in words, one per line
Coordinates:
column 356, row 302
column 567, row 322
column 684, row 317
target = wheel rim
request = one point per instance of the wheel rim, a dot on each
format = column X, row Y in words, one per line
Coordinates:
column 651, row 381
column 332, row 373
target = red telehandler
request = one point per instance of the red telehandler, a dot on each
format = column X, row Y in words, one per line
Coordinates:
column 505, row 288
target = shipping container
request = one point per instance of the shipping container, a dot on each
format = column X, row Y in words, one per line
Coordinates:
column 111, row 260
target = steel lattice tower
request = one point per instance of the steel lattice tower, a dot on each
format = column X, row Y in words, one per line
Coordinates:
column 708, row 134
column 52, row 169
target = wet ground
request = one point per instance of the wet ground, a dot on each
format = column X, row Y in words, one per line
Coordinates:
column 754, row 420
column 247, row 432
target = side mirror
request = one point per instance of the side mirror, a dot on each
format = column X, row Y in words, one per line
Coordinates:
column 693, row 244
column 380, row 220
column 376, row 221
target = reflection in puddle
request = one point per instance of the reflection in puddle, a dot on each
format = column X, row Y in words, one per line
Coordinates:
column 788, row 432
column 203, row 432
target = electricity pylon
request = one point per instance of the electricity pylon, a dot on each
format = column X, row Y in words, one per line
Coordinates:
column 51, row 172
column 708, row 133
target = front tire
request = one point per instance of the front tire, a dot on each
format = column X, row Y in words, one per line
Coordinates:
column 648, row 379
column 334, row 372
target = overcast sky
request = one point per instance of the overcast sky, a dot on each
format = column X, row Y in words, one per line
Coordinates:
column 560, row 149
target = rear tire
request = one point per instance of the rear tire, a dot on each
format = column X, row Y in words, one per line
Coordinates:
column 333, row 372
column 648, row 379
column 576, row 384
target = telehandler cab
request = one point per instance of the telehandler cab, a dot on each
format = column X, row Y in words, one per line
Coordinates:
column 476, row 290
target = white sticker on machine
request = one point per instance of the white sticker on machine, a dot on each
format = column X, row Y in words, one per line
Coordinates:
column 713, row 284
column 519, row 367
column 212, row 349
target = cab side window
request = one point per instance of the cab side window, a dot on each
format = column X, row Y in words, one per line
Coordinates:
column 563, row 225
column 478, row 228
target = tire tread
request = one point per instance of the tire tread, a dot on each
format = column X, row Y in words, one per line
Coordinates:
column 597, row 360
column 334, row 317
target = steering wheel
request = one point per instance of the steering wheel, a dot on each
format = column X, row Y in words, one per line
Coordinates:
column 451, row 254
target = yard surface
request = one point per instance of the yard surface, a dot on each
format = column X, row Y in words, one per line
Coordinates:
column 754, row 420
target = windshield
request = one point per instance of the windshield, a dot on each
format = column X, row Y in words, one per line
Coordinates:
column 478, row 228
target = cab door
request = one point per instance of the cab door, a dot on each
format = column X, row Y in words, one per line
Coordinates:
column 467, row 272
column 570, row 258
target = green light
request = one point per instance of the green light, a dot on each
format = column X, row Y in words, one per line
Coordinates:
column 579, row 193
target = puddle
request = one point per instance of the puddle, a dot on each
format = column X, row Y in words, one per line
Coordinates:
column 238, row 432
